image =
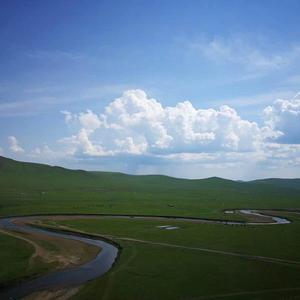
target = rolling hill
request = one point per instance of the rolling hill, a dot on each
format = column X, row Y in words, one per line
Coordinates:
column 38, row 188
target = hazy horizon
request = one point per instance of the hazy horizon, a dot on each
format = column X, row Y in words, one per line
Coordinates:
column 152, row 174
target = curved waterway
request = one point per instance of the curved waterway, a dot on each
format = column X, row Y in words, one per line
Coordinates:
column 103, row 262
column 65, row 278
column 275, row 220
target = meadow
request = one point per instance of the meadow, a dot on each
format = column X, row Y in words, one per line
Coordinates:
column 27, row 188
column 156, row 263
column 170, row 264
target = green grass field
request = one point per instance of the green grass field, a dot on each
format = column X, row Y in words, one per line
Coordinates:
column 154, row 271
column 15, row 261
column 150, row 271
column 18, row 259
column 27, row 188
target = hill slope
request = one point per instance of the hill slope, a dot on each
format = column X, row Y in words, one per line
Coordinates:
column 38, row 188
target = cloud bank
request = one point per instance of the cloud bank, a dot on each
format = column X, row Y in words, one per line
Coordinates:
column 284, row 116
column 138, row 131
column 138, row 125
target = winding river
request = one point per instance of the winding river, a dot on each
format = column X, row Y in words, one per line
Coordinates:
column 64, row 278
column 105, row 259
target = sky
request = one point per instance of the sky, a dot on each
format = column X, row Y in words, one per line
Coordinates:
column 188, row 89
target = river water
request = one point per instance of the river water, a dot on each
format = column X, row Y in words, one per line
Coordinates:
column 103, row 262
column 65, row 278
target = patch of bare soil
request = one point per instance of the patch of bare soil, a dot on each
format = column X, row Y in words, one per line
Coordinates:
column 58, row 252
column 255, row 218
column 62, row 294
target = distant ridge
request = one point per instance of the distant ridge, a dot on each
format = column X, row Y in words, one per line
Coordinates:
column 283, row 182
column 13, row 166
column 27, row 188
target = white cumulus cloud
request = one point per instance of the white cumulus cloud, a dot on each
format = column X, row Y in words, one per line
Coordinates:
column 138, row 124
column 14, row 145
column 138, row 134
column 284, row 116
column 89, row 120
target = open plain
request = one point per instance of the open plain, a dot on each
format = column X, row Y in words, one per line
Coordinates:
column 226, row 239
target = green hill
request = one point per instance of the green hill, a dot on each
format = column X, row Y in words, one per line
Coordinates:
column 288, row 183
column 36, row 188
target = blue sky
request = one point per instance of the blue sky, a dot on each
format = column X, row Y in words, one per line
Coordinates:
column 183, row 88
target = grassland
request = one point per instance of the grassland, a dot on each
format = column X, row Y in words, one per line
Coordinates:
column 148, row 269
column 16, row 262
column 158, row 263
column 19, row 260
column 25, row 255
column 27, row 188
column 272, row 241
column 153, row 272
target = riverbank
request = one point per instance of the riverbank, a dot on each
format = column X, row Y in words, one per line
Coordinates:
column 58, row 235
column 91, row 268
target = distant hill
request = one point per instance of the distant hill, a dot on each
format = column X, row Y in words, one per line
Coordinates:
column 10, row 167
column 38, row 188
column 34, row 174
column 288, row 183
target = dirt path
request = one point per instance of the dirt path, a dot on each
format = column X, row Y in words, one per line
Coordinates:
column 246, row 256
column 61, row 253
column 74, row 253
column 38, row 251
column 214, row 251
column 89, row 258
